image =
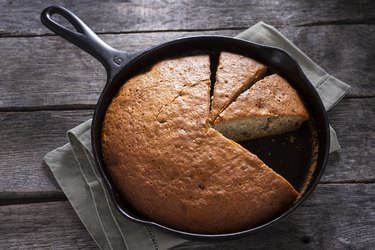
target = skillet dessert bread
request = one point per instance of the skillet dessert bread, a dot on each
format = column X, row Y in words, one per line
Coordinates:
column 235, row 74
column 271, row 106
column 176, row 170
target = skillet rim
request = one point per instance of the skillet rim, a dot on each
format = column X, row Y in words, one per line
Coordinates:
column 96, row 142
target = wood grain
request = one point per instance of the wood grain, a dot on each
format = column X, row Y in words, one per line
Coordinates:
column 335, row 216
column 27, row 136
column 354, row 122
column 52, row 225
column 25, row 139
column 47, row 72
column 20, row 18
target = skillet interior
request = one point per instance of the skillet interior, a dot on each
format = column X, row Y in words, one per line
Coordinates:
column 289, row 154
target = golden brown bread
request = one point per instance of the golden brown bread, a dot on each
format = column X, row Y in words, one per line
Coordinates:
column 235, row 74
column 173, row 168
column 271, row 106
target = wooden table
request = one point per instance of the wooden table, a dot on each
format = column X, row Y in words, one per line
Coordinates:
column 48, row 86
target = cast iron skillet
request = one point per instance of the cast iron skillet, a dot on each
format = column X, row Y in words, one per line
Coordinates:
column 289, row 154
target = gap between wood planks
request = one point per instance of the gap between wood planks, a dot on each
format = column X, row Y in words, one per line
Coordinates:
column 32, row 197
column 338, row 22
column 63, row 107
column 5, row 35
column 45, row 197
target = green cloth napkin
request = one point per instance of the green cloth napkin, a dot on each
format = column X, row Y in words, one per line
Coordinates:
column 74, row 168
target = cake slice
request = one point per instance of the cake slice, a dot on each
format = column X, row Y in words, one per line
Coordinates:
column 235, row 73
column 271, row 106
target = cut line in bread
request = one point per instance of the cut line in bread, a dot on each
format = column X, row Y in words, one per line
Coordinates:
column 235, row 73
column 271, row 106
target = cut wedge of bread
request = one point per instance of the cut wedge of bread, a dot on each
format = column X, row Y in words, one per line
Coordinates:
column 235, row 73
column 271, row 106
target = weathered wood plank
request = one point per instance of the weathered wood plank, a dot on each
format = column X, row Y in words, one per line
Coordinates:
column 48, row 71
column 27, row 136
column 354, row 122
column 343, row 51
column 52, row 225
column 22, row 18
column 336, row 216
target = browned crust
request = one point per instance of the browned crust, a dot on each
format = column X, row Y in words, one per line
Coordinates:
column 269, row 97
column 235, row 74
column 175, row 170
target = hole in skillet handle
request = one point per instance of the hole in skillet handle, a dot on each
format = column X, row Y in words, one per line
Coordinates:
column 83, row 37
column 62, row 21
column 55, row 24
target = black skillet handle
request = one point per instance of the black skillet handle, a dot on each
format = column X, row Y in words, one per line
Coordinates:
column 86, row 39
